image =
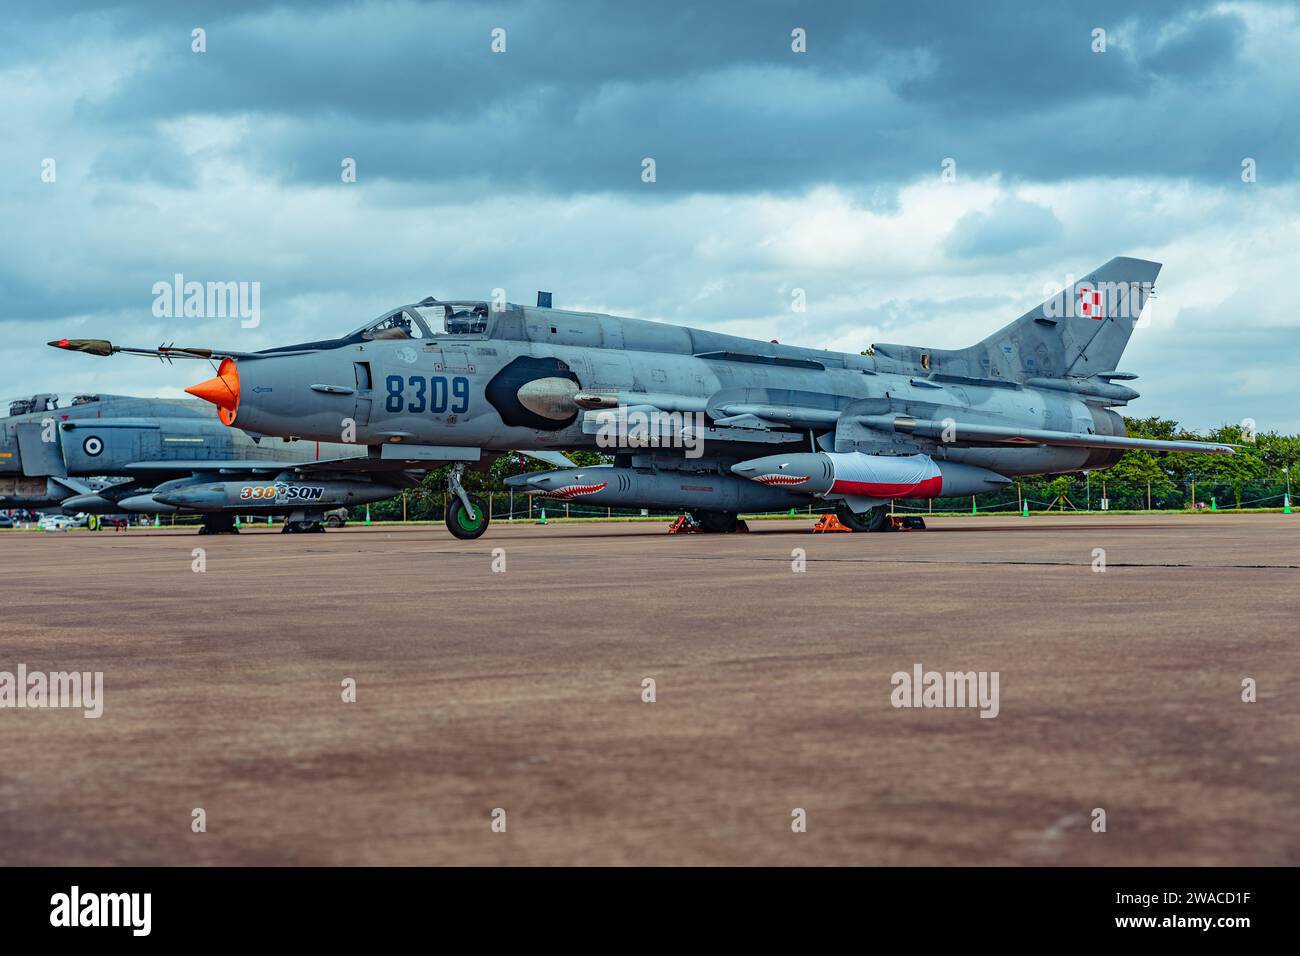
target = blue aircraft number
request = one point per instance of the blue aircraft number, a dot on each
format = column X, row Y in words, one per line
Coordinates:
column 427, row 394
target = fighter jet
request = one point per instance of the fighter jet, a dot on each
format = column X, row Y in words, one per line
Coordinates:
column 115, row 454
column 699, row 421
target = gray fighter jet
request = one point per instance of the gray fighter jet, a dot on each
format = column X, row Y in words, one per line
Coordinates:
column 116, row 454
column 703, row 422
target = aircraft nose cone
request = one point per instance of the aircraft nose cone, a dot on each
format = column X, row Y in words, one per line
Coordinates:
column 222, row 391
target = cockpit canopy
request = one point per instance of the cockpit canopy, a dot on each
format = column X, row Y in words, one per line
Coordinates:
column 48, row 403
column 426, row 319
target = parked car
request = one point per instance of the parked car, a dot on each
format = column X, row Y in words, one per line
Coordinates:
column 54, row 523
column 6, row 521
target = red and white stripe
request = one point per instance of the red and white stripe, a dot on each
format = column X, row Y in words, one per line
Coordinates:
column 885, row 476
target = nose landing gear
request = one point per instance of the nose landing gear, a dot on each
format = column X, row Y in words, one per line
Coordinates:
column 467, row 515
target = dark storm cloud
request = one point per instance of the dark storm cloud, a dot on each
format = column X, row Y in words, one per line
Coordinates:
column 711, row 91
column 1199, row 47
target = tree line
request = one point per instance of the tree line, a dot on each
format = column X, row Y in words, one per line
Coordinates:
column 1166, row 479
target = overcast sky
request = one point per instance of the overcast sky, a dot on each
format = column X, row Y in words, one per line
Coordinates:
column 774, row 171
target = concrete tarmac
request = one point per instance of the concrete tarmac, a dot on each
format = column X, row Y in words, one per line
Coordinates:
column 521, row 690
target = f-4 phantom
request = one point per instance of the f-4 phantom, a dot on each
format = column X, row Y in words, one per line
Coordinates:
column 115, row 454
column 699, row 421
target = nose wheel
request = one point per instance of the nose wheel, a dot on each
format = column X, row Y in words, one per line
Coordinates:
column 467, row 515
column 466, row 524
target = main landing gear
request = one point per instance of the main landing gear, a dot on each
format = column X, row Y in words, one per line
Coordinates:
column 716, row 522
column 872, row 519
column 218, row 524
column 877, row 519
column 302, row 527
column 467, row 515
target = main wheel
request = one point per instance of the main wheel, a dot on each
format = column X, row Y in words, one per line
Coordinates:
column 301, row 527
column 459, row 521
column 218, row 524
column 716, row 522
column 876, row 519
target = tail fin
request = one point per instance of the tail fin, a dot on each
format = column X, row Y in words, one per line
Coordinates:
column 1081, row 331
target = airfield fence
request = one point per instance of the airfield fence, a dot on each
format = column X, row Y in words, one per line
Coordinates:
column 1059, row 495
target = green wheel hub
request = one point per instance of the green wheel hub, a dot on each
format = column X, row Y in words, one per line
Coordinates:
column 466, row 522
column 459, row 521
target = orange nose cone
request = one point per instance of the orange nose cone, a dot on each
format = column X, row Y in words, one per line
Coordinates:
column 222, row 391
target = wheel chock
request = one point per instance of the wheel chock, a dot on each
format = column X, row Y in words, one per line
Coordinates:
column 829, row 522
column 683, row 525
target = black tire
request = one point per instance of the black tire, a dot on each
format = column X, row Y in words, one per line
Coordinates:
column 850, row 518
column 334, row 521
column 876, row 519
column 716, row 522
column 460, row 524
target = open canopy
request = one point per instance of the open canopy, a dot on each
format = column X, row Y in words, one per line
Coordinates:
column 426, row 319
